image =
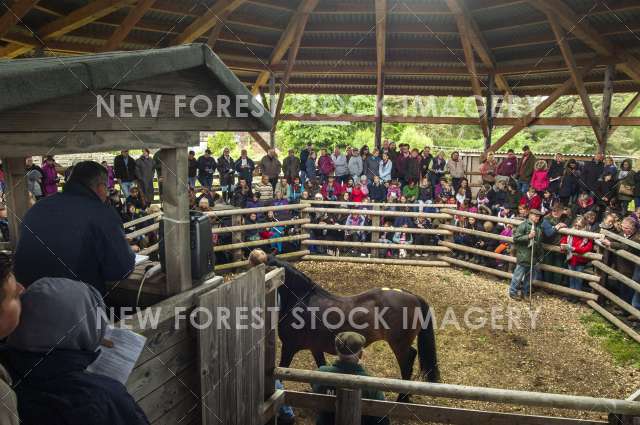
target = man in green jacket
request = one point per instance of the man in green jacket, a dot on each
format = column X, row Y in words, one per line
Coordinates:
column 527, row 239
column 349, row 347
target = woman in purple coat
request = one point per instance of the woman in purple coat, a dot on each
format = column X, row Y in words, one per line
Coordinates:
column 50, row 177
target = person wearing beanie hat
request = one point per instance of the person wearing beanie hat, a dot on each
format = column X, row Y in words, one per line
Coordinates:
column 349, row 347
column 527, row 239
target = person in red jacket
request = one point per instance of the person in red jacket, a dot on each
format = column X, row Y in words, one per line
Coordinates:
column 575, row 247
column 531, row 199
column 325, row 165
column 331, row 190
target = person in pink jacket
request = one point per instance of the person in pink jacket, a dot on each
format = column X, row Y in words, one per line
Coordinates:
column 540, row 177
column 50, row 177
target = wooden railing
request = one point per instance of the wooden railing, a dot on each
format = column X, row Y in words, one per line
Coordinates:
column 439, row 254
column 348, row 404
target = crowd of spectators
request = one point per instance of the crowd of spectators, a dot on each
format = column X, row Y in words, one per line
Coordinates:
column 585, row 195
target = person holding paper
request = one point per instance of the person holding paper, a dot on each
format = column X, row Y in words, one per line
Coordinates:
column 61, row 330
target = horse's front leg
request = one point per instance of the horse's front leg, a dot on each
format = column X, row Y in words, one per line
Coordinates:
column 286, row 357
column 318, row 356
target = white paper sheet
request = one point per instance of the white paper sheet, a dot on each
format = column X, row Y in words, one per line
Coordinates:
column 118, row 361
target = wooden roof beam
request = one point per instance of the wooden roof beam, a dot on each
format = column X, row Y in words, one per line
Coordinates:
column 286, row 39
column 214, row 35
column 475, row 79
column 120, row 34
column 539, row 109
column 459, row 9
column 14, row 13
column 381, row 52
column 205, row 22
column 575, row 75
column 631, row 106
column 260, row 140
column 291, row 59
column 587, row 34
column 76, row 19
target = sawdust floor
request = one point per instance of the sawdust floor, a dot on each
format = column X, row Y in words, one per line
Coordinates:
column 557, row 356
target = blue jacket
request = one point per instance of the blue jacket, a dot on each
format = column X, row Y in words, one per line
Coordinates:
column 58, row 391
column 74, row 235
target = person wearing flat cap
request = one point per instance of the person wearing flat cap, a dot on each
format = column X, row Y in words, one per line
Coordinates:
column 527, row 240
column 349, row 347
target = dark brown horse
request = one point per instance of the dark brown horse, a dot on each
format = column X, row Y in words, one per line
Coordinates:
column 310, row 319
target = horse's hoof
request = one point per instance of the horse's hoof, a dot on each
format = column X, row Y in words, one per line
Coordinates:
column 404, row 398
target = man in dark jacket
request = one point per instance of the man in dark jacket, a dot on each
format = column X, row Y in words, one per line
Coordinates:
column 291, row 166
column 245, row 167
column 591, row 172
column 193, row 169
column 226, row 168
column 74, row 234
column 124, row 168
column 206, row 168
column 271, row 167
column 525, row 169
column 144, row 173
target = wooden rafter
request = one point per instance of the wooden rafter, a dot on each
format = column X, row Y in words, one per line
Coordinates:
column 500, row 121
column 538, row 110
column 381, row 51
column 259, row 140
column 76, row 19
column 286, row 39
column 214, row 35
column 14, row 13
column 291, row 58
column 120, row 34
column 205, row 22
column 605, row 112
column 575, row 75
column 590, row 36
column 631, row 106
column 475, row 79
column 459, row 9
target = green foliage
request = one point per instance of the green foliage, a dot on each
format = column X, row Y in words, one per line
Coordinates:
column 623, row 349
column 221, row 140
column 625, row 140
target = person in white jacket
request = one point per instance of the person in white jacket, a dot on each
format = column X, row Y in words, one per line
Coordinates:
column 385, row 167
column 355, row 165
column 341, row 164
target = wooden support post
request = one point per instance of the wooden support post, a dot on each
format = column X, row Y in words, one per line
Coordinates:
column 381, row 43
column 607, row 95
column 348, row 406
column 375, row 236
column 237, row 237
column 489, row 107
column 175, row 203
column 16, row 194
column 272, row 100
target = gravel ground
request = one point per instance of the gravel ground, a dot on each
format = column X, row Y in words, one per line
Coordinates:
column 556, row 355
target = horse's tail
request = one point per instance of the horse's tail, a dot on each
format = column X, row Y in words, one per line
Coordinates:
column 427, row 346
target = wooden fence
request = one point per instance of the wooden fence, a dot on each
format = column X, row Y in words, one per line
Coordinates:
column 196, row 374
column 435, row 254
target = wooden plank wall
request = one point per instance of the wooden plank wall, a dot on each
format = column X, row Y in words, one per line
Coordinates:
column 165, row 380
column 232, row 357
